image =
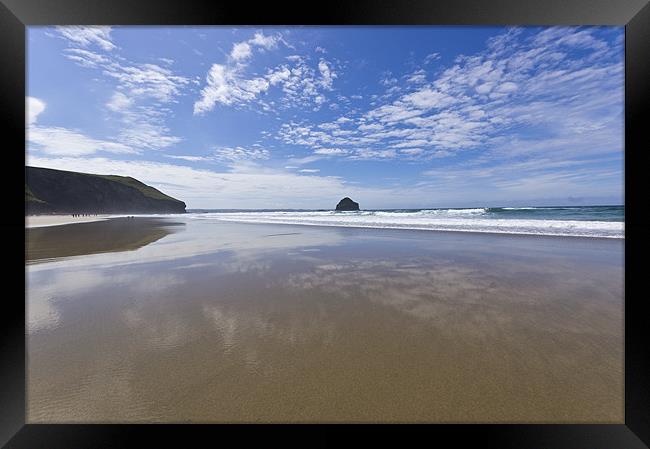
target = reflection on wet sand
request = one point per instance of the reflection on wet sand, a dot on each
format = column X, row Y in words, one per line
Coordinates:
column 332, row 325
column 117, row 234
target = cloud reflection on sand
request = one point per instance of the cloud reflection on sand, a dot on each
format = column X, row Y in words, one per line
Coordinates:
column 205, row 238
column 479, row 299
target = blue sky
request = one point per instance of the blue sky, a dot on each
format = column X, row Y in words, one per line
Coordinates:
column 298, row 117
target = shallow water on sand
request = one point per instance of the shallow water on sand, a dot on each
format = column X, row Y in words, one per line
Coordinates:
column 226, row 322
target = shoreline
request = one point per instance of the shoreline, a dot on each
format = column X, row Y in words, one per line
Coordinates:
column 404, row 228
column 59, row 220
column 584, row 223
column 39, row 221
column 407, row 228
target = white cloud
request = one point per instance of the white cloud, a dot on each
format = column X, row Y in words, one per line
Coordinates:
column 507, row 87
column 227, row 84
column 482, row 100
column 146, row 134
column 88, row 35
column 368, row 153
column 309, row 170
column 148, row 80
column 66, row 142
column 278, row 75
column 484, row 88
column 140, row 80
column 238, row 154
column 140, row 90
column 568, row 36
column 119, row 102
column 538, row 176
column 62, row 141
column 267, row 42
column 86, row 58
column 392, row 113
column 387, row 79
column 327, row 75
column 431, row 57
column 417, row 77
column 371, row 127
column 304, row 160
column 411, row 151
column 329, row 126
column 428, row 98
column 303, row 87
column 189, row 158
column 33, row 108
column 241, row 51
column 238, row 159
column 330, row 151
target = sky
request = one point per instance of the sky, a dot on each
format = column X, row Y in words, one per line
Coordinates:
column 299, row 117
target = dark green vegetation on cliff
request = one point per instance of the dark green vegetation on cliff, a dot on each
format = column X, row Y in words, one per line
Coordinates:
column 66, row 192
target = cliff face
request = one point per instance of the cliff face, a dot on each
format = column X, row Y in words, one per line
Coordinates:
column 66, row 192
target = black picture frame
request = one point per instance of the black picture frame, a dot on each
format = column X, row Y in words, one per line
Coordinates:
column 15, row 15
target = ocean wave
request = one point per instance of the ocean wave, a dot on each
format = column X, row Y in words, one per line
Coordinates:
column 433, row 220
column 452, row 212
column 518, row 208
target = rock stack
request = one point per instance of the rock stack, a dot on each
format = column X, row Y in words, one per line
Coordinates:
column 346, row 204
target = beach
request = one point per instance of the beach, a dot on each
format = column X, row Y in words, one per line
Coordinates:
column 36, row 221
column 187, row 320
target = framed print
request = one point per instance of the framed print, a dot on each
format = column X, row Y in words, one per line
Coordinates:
column 374, row 222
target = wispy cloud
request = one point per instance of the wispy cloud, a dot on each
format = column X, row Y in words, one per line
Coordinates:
column 240, row 154
column 189, row 158
column 148, row 80
column 232, row 157
column 564, row 83
column 140, row 90
column 66, row 142
column 62, row 141
column 87, row 36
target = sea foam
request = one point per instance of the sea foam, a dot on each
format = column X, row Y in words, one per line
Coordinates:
column 460, row 220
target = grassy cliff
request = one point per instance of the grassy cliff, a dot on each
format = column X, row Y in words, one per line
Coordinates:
column 59, row 191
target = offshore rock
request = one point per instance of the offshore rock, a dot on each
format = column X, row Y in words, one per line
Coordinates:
column 346, row 204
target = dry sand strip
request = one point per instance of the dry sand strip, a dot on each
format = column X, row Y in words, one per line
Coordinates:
column 38, row 221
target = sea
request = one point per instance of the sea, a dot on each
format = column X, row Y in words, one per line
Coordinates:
column 570, row 221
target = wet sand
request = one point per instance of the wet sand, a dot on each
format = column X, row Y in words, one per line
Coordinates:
column 117, row 234
column 227, row 322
